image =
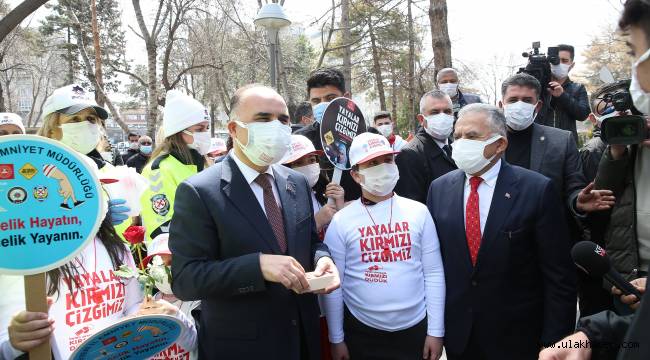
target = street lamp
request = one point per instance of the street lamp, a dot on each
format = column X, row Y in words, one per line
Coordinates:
column 272, row 18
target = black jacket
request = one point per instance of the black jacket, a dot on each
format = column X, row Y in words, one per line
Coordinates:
column 129, row 153
column 565, row 110
column 352, row 189
column 420, row 162
column 137, row 161
column 631, row 331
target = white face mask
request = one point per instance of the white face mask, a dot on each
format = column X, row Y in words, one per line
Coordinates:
column 468, row 154
column 640, row 98
column 380, row 180
column 319, row 111
column 450, row 89
column 439, row 126
column 268, row 142
column 107, row 155
column 519, row 115
column 82, row 136
column 311, row 172
column 165, row 286
column 201, row 141
column 386, row 130
column 560, row 71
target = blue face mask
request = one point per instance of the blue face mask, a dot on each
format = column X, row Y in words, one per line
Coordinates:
column 319, row 110
column 146, row 149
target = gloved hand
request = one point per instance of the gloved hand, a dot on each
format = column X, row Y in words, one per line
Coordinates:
column 117, row 211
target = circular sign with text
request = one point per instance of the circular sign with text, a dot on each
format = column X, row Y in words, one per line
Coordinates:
column 342, row 122
column 51, row 204
column 135, row 338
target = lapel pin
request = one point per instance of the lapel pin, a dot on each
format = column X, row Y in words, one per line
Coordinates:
column 291, row 187
column 507, row 195
column 542, row 138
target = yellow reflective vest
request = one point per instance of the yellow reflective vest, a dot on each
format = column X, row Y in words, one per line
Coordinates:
column 164, row 174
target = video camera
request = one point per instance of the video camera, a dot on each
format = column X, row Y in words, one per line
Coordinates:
column 627, row 129
column 539, row 65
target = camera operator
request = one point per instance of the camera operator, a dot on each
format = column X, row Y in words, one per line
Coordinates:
column 569, row 101
column 627, row 168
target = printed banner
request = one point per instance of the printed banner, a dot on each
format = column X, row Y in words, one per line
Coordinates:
column 342, row 122
column 135, row 338
column 51, row 204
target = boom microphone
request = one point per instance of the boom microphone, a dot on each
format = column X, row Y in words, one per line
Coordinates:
column 593, row 260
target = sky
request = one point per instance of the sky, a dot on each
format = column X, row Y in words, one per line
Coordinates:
column 479, row 29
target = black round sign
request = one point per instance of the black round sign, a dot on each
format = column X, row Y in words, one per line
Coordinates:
column 342, row 122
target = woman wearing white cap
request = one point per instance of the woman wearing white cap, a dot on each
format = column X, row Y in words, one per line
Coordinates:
column 72, row 117
column 179, row 155
column 11, row 124
column 392, row 297
column 303, row 158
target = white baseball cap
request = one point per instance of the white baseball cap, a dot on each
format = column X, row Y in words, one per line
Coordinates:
column 300, row 146
column 217, row 144
column 368, row 146
column 70, row 100
column 182, row 111
column 12, row 119
column 158, row 246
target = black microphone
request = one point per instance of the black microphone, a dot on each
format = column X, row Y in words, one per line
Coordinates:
column 593, row 260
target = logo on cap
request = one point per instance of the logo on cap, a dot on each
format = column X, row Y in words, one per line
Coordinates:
column 600, row 251
column 78, row 90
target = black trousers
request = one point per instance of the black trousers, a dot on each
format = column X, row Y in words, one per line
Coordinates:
column 367, row 343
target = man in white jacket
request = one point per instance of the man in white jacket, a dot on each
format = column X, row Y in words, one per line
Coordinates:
column 391, row 300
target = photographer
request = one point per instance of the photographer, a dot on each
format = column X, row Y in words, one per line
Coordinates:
column 568, row 100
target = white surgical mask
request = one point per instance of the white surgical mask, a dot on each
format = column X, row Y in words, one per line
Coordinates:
column 439, row 126
column 560, row 71
column 82, row 136
column 201, row 141
column 468, row 154
column 450, row 89
column 519, row 115
column 311, row 172
column 319, row 110
column 386, row 130
column 640, row 98
column 268, row 142
column 380, row 180
column 107, row 155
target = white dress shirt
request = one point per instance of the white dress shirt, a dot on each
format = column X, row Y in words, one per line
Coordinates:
column 485, row 192
column 441, row 144
column 250, row 175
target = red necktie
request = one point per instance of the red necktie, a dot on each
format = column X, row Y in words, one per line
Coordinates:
column 473, row 219
column 273, row 212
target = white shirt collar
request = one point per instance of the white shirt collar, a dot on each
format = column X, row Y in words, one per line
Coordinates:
column 249, row 173
column 490, row 177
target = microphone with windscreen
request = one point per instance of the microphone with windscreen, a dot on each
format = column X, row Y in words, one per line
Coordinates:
column 593, row 260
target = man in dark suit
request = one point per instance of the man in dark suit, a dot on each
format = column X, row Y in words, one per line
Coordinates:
column 243, row 235
column 428, row 155
column 510, row 279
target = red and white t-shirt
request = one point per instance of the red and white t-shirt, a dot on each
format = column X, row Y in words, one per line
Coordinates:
column 388, row 257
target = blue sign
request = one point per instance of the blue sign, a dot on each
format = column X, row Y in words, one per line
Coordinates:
column 51, row 204
column 135, row 338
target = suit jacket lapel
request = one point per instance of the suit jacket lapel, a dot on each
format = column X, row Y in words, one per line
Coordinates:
column 505, row 193
column 241, row 195
column 287, row 190
column 537, row 148
column 457, row 211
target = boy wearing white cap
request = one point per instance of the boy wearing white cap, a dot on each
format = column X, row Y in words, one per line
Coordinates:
column 11, row 124
column 181, row 154
column 303, row 158
column 391, row 301
column 218, row 150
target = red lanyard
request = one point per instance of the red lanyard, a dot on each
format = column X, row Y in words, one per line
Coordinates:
column 370, row 215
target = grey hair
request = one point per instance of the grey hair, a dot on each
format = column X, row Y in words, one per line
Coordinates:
column 524, row 80
column 446, row 71
column 496, row 119
column 436, row 94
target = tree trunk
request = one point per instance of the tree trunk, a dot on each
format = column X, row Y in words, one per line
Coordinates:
column 439, row 34
column 376, row 67
column 288, row 96
column 152, row 85
column 70, row 74
column 2, row 99
column 411, row 69
column 17, row 15
column 347, row 50
column 393, row 94
column 98, row 52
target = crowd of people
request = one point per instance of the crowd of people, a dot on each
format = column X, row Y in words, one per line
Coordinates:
column 458, row 237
